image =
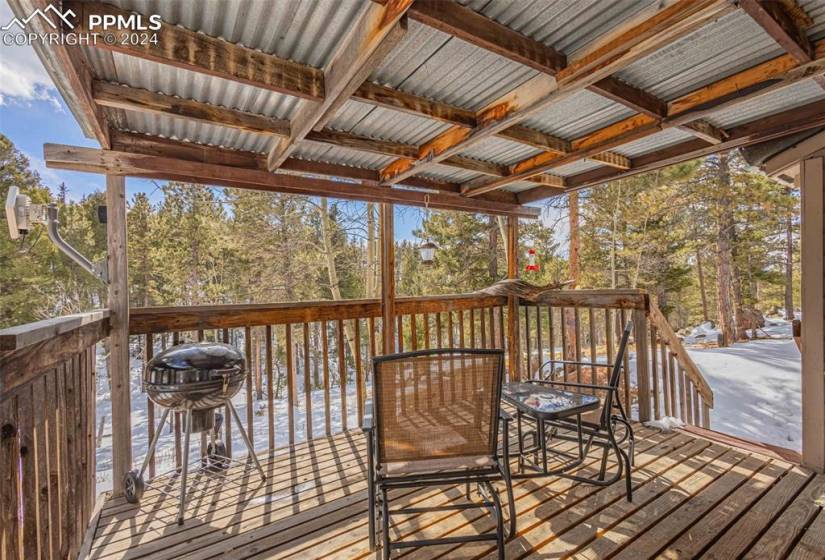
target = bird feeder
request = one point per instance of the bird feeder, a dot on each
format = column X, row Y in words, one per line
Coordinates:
column 532, row 263
column 427, row 252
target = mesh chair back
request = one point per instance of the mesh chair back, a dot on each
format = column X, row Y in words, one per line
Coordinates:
column 616, row 375
column 437, row 404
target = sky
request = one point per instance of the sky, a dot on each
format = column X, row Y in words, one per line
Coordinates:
column 32, row 113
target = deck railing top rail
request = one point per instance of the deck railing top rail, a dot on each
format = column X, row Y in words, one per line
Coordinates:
column 145, row 320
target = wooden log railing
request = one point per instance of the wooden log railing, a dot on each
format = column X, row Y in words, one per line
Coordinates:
column 305, row 357
column 586, row 325
column 47, row 446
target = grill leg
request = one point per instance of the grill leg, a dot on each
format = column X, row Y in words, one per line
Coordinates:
column 153, row 444
column 246, row 439
column 185, row 466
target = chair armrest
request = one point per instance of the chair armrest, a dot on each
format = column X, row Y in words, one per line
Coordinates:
column 572, row 384
column 367, row 422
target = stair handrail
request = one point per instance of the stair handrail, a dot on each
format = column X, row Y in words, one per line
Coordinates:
column 677, row 348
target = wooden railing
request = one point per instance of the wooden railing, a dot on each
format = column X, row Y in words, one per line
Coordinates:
column 47, row 446
column 586, row 325
column 324, row 346
column 679, row 388
column 308, row 376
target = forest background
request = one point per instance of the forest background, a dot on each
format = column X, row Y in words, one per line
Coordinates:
column 710, row 238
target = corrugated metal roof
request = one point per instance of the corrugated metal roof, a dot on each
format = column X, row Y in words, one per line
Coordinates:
column 162, row 78
column 500, row 151
column 519, row 186
column 816, row 10
column 804, row 92
column 328, row 153
column 432, row 64
column 577, row 115
column 191, row 131
column 565, row 25
column 305, row 32
column 376, row 122
column 435, row 65
column 730, row 44
column 654, row 142
column 576, row 167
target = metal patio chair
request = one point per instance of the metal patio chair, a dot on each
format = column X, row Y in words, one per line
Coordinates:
column 599, row 426
column 434, row 421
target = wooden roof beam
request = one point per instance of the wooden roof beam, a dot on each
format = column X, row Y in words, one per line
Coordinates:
column 110, row 162
column 786, row 25
column 146, row 144
column 764, row 78
column 651, row 31
column 378, row 29
column 140, row 100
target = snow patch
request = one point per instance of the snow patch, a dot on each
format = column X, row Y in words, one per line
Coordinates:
column 666, row 424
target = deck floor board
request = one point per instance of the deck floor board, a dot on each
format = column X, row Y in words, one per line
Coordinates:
column 693, row 498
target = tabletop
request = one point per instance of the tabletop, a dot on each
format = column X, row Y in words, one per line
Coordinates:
column 546, row 402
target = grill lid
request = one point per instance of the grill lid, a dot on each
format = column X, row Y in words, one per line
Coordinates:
column 197, row 356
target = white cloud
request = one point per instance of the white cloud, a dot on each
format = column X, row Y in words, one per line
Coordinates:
column 22, row 76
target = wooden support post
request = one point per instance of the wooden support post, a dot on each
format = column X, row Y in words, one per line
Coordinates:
column 813, row 313
column 118, row 302
column 387, row 277
column 513, row 339
column 642, row 375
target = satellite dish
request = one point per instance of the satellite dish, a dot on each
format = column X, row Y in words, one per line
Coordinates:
column 17, row 212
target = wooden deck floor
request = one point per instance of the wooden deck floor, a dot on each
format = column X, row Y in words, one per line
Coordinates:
column 693, row 498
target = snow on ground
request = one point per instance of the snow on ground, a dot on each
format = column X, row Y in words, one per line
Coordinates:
column 165, row 455
column 756, row 387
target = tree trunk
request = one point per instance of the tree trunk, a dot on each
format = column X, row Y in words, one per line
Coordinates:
column 570, row 333
column 492, row 266
column 789, row 311
column 332, row 270
column 705, row 312
column 724, row 257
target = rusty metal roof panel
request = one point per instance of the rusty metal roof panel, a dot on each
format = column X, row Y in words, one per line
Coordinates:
column 316, row 151
column 500, row 151
column 654, row 142
column 191, row 131
column 449, row 174
column 435, row 65
column 520, row 186
column 368, row 120
column 577, row 115
column 566, row 25
column 303, row 31
column 816, row 11
column 732, row 43
column 802, row 93
column 576, row 167
column 162, row 78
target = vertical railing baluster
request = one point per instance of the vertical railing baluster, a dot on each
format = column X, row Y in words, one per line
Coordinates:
column 290, row 382
column 325, row 354
column 175, row 342
column 539, row 350
column 413, row 332
column 342, row 372
column 473, row 326
column 270, row 390
column 227, row 415
column 427, row 342
column 578, row 343
column 148, row 352
column 359, row 371
column 593, row 356
column 250, row 413
column 307, row 384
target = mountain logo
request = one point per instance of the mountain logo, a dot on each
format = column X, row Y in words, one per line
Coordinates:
column 65, row 17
